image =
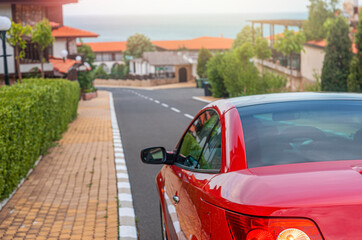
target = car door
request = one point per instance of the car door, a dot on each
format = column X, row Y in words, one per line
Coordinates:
column 198, row 159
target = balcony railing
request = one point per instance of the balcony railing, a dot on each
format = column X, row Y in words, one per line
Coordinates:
column 32, row 54
column 279, row 58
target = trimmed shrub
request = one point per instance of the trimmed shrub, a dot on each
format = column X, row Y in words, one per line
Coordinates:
column 100, row 73
column 85, row 80
column 272, row 83
column 33, row 115
column 117, row 71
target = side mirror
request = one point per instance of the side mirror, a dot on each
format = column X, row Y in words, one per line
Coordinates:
column 155, row 155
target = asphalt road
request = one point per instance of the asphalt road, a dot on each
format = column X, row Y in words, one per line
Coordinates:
column 148, row 119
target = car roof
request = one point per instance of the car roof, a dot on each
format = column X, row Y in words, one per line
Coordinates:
column 292, row 97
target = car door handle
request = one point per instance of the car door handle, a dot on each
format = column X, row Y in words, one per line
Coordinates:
column 176, row 199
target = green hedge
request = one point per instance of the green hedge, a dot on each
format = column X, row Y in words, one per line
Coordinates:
column 33, row 115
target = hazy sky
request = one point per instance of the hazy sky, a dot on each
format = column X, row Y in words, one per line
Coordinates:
column 133, row 7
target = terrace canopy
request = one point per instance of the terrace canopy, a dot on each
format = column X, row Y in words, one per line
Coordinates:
column 279, row 22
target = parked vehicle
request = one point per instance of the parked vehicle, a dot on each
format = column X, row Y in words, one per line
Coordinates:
column 271, row 167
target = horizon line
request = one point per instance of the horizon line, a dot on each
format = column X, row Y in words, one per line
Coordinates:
column 174, row 14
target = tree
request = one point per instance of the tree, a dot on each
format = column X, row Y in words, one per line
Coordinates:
column 262, row 51
column 319, row 12
column 16, row 39
column 88, row 53
column 291, row 43
column 245, row 53
column 338, row 57
column 42, row 35
column 137, row 45
column 215, row 76
column 241, row 77
column 355, row 77
column 245, row 35
column 202, row 59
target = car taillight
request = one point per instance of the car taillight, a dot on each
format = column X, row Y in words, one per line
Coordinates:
column 254, row 228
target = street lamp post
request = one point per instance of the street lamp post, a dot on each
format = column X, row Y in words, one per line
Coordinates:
column 5, row 25
column 78, row 59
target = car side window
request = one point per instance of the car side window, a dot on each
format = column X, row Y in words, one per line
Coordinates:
column 211, row 158
column 201, row 145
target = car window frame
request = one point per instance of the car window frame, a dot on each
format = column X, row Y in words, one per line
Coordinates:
column 178, row 148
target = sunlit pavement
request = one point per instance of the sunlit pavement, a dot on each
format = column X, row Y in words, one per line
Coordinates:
column 72, row 193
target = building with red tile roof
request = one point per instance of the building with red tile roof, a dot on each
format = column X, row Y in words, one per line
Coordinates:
column 107, row 53
column 313, row 57
column 30, row 12
column 70, row 32
column 323, row 43
column 211, row 43
column 63, row 66
column 99, row 47
column 110, row 53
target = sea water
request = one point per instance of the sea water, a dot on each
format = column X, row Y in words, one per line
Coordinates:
column 172, row 27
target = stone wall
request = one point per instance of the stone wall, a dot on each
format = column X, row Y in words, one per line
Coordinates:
column 135, row 83
column 29, row 14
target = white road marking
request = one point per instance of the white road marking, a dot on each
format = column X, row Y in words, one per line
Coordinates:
column 188, row 116
column 164, row 105
column 151, row 99
column 156, row 101
column 175, row 110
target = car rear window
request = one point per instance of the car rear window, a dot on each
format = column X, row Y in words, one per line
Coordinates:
column 301, row 132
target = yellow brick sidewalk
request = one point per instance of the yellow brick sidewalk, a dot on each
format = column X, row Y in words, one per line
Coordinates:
column 72, row 193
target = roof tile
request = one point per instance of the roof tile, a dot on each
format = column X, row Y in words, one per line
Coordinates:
column 62, row 66
column 107, row 46
column 65, row 31
column 211, row 43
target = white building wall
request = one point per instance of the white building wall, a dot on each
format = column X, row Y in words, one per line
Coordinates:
column 311, row 62
column 194, row 70
column 24, row 68
column 5, row 10
column 144, row 68
column 138, row 68
column 59, row 45
column 131, row 70
column 151, row 68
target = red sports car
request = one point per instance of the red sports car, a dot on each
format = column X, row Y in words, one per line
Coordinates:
column 268, row 167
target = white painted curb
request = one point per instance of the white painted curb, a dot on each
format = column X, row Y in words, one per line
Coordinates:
column 126, row 216
column 201, row 100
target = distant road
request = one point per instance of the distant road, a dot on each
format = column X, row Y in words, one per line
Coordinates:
column 148, row 119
